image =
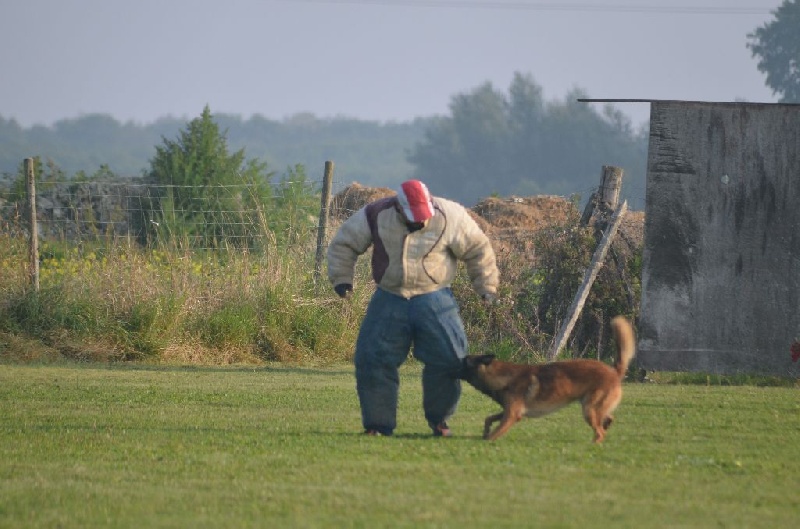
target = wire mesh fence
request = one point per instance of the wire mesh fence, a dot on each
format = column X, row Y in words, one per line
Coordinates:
column 215, row 217
column 238, row 217
column 241, row 217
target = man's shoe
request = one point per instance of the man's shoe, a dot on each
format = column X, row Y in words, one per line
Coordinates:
column 442, row 430
column 375, row 432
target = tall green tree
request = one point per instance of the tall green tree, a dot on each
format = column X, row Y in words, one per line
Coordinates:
column 469, row 147
column 777, row 46
column 206, row 196
column 518, row 144
column 527, row 117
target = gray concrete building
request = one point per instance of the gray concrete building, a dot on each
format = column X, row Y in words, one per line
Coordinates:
column 721, row 261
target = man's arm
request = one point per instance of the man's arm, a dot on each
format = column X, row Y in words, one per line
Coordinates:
column 351, row 240
column 474, row 248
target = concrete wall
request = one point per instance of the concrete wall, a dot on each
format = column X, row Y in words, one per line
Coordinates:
column 721, row 269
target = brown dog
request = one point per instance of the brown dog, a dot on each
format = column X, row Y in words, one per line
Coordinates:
column 537, row 390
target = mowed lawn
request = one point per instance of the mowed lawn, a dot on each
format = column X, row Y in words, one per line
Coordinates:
column 139, row 446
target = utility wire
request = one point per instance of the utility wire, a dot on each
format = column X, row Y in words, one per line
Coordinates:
column 552, row 6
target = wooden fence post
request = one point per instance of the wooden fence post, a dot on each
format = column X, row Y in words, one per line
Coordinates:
column 588, row 279
column 606, row 197
column 610, row 187
column 33, row 247
column 322, row 227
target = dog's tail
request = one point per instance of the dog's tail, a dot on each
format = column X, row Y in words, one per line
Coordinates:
column 626, row 343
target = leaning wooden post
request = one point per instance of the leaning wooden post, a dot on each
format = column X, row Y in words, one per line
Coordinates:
column 610, row 187
column 322, row 227
column 588, row 279
column 607, row 195
column 33, row 248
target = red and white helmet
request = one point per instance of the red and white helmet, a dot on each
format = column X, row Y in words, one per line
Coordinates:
column 415, row 201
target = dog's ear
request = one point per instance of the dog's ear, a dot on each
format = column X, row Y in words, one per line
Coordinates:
column 486, row 359
column 473, row 361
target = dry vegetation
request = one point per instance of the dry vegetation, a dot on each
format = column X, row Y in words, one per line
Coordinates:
column 117, row 301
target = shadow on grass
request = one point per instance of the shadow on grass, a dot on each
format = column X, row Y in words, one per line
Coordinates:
column 410, row 436
column 158, row 368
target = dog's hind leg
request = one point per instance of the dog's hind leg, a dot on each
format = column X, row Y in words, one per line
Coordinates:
column 595, row 414
column 597, row 411
column 609, row 404
column 607, row 422
column 595, row 419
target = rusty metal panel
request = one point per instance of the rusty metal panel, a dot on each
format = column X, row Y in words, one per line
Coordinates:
column 721, row 262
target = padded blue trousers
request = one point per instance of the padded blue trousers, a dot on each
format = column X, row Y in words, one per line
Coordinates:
column 431, row 323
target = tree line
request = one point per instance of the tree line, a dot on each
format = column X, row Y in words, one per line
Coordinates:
column 491, row 143
column 516, row 143
column 367, row 152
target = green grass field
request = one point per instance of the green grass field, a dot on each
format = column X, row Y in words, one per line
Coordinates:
column 150, row 446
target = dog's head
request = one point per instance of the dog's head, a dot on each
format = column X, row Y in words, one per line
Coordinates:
column 473, row 365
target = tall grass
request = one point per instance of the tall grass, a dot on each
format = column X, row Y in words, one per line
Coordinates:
column 119, row 301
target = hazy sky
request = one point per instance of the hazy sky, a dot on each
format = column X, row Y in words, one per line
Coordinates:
column 369, row 59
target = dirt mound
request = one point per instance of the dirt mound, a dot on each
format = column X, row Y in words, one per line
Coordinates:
column 512, row 222
column 632, row 228
column 354, row 197
column 509, row 222
column 524, row 213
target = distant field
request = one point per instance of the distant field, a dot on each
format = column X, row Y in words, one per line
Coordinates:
column 138, row 446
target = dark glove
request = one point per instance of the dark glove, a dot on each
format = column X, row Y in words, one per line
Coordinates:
column 343, row 289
